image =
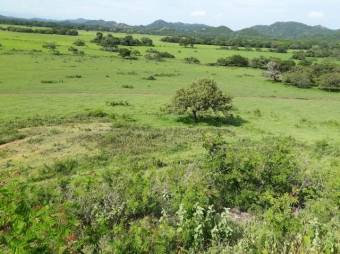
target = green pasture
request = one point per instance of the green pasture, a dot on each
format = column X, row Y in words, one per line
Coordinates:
column 264, row 107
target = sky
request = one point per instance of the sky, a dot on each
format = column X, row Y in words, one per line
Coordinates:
column 235, row 14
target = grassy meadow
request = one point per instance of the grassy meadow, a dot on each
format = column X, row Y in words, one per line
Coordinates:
column 60, row 138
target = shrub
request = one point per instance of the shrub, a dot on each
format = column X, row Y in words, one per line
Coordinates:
column 300, row 78
column 97, row 113
column 150, row 78
column 126, row 54
column 79, row 43
column 201, row 97
column 153, row 54
column 118, row 103
column 248, row 176
column 50, row 45
column 330, row 82
column 191, row 60
column 128, row 86
column 259, row 62
column 235, row 60
column 75, row 51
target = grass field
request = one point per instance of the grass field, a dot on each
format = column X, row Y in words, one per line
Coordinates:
column 103, row 75
column 48, row 115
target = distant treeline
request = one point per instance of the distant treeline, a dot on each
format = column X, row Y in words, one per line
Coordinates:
column 60, row 31
column 280, row 45
column 110, row 41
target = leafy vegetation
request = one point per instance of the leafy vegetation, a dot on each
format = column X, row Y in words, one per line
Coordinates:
column 89, row 163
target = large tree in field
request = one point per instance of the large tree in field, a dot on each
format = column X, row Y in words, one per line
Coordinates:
column 201, row 97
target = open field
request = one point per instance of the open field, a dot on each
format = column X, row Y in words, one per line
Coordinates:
column 64, row 148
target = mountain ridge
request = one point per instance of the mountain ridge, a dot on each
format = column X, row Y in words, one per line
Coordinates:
column 278, row 30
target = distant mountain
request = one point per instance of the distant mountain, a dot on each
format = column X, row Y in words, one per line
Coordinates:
column 290, row 30
column 95, row 23
column 162, row 27
column 278, row 30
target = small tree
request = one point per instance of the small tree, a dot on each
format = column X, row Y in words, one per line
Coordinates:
column 273, row 71
column 201, row 97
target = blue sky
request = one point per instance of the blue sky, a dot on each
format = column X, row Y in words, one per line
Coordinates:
column 235, row 14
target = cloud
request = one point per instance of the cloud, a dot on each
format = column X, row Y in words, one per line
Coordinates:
column 316, row 14
column 198, row 13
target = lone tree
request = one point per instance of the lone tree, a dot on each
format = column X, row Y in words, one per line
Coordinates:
column 273, row 71
column 201, row 97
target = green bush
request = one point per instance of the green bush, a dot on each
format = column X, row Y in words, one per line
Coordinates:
column 191, row 60
column 330, row 82
column 235, row 60
column 203, row 96
column 300, row 78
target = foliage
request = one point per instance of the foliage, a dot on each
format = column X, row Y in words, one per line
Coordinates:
column 300, row 78
column 80, row 43
column 235, row 60
column 273, row 71
column 201, row 97
column 192, row 60
column 330, row 82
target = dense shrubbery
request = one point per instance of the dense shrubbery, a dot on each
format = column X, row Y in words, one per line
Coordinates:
column 325, row 76
column 59, row 31
column 185, row 207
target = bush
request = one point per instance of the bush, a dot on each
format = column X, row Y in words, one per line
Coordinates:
column 128, row 86
column 330, row 82
column 75, row 51
column 79, row 43
column 191, row 60
column 248, row 176
column 259, row 62
column 118, row 103
column 235, row 60
column 203, row 96
column 50, row 45
column 300, row 78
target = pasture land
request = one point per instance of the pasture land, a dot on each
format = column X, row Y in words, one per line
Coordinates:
column 73, row 127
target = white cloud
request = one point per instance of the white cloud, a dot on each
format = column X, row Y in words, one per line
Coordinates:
column 198, row 13
column 316, row 14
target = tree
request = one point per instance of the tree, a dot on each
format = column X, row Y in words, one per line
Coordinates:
column 201, row 97
column 273, row 71
column 187, row 41
column 330, row 82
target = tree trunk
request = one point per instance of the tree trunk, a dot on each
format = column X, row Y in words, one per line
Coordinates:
column 194, row 114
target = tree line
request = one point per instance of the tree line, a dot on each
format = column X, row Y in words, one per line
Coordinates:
column 281, row 45
column 59, row 31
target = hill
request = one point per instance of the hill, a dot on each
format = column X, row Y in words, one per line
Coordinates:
column 278, row 30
